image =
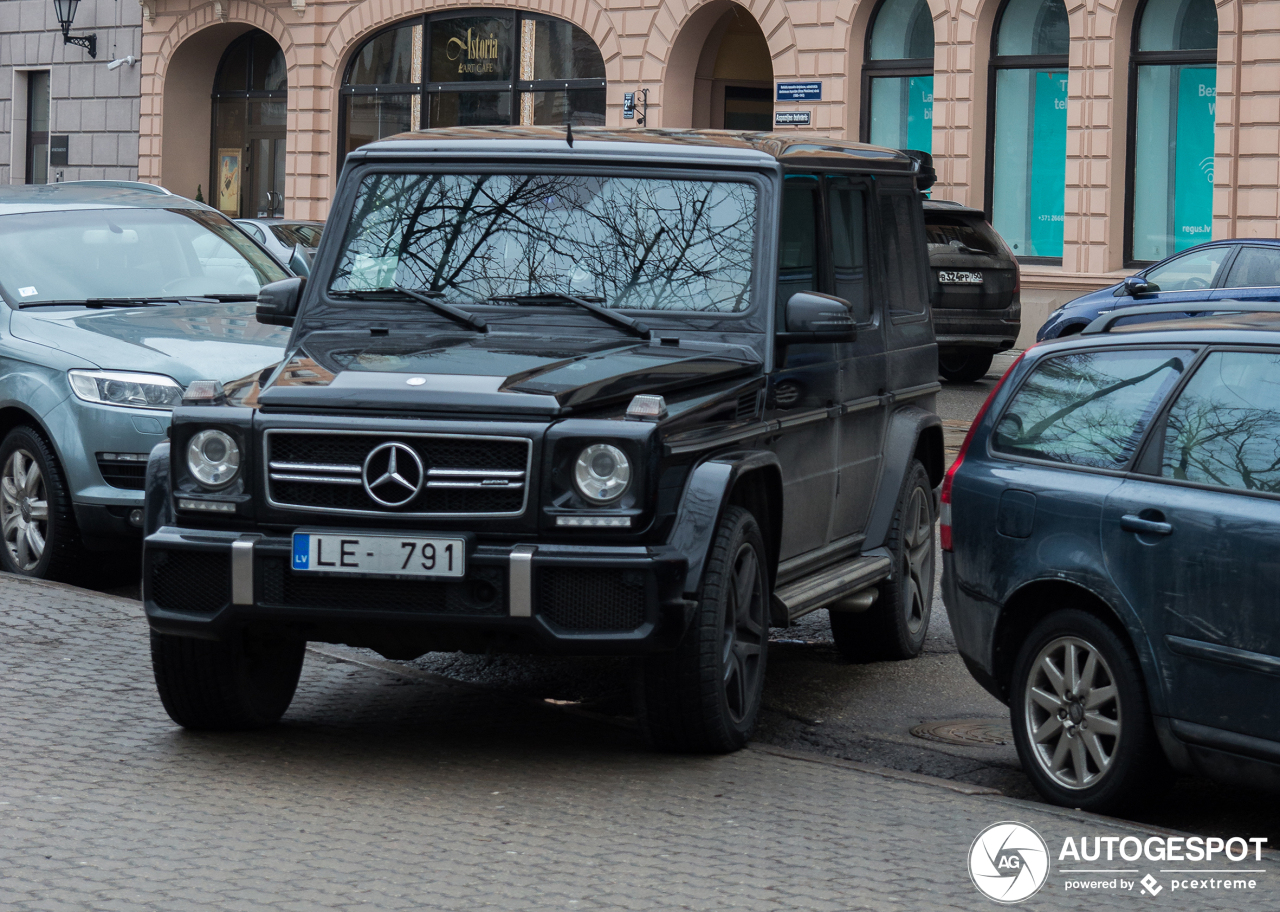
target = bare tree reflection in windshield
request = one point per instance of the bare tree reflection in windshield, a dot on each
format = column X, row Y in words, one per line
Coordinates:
column 644, row 243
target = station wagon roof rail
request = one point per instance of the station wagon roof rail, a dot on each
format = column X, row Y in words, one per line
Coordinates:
column 1108, row 321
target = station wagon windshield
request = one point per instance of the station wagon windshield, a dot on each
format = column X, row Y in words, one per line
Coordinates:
column 623, row 242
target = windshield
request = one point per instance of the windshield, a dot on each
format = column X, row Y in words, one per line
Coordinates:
column 635, row 242
column 127, row 253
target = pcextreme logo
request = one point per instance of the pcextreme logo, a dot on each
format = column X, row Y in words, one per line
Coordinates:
column 1008, row 862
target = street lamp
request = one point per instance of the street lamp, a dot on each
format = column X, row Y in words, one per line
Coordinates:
column 66, row 11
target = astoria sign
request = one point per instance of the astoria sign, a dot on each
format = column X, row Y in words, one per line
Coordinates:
column 475, row 55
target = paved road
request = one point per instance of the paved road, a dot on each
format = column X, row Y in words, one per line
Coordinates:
column 390, row 788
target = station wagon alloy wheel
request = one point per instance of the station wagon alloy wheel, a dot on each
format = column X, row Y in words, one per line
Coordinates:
column 24, row 509
column 1073, row 712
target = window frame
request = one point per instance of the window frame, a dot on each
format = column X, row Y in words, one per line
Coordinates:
column 1143, row 445
column 995, row 63
column 1138, row 59
column 872, row 69
column 424, row 88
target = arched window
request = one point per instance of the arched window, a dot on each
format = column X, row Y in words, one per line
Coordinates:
column 897, row 78
column 250, row 102
column 1175, row 80
column 1027, row 164
column 472, row 68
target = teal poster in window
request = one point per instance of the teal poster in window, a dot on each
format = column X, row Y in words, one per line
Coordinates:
column 920, row 113
column 1047, row 186
column 1193, row 157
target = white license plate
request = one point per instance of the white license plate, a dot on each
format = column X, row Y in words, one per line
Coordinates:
column 952, row 277
column 379, row 555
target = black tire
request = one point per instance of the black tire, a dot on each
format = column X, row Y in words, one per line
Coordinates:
column 895, row 626
column 1112, row 763
column 38, row 515
column 704, row 697
column 964, row 365
column 239, row 684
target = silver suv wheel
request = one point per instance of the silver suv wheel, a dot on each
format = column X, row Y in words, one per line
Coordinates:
column 24, row 509
column 1073, row 712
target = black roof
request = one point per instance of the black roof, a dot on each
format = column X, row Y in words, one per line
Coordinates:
column 938, row 205
column 710, row 146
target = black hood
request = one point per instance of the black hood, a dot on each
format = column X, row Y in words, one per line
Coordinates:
column 514, row 373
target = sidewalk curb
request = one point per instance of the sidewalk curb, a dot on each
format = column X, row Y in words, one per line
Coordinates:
column 882, row 771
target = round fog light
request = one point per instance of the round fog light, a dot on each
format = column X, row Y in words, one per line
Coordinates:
column 602, row 473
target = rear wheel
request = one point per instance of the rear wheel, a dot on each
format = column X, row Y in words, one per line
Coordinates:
column 705, row 696
column 245, row 682
column 964, row 365
column 895, row 626
column 1081, row 721
column 41, row 539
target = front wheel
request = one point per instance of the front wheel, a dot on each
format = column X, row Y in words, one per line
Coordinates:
column 241, row 683
column 705, row 696
column 41, row 539
column 1081, row 720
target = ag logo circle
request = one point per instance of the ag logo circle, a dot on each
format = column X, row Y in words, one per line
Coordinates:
column 1008, row 862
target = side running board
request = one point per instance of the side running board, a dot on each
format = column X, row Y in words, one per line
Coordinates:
column 817, row 591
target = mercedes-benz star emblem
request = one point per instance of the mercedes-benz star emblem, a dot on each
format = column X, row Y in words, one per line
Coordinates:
column 393, row 474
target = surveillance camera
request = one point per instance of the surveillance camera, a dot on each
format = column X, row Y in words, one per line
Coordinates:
column 116, row 64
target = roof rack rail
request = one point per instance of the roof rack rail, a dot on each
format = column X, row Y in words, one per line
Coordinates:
column 143, row 186
column 1107, row 321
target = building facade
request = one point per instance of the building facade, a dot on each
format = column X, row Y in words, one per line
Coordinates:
column 63, row 114
column 1097, row 134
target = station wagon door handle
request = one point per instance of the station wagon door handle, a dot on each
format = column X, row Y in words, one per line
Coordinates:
column 1132, row 523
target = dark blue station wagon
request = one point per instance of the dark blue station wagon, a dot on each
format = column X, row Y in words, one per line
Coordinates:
column 1111, row 566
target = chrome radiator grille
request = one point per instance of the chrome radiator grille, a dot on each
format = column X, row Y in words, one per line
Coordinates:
column 380, row 473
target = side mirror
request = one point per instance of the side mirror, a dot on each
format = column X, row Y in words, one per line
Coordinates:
column 814, row 317
column 299, row 265
column 278, row 302
column 1136, row 285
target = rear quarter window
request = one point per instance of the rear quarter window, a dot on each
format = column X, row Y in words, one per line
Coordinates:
column 1088, row 408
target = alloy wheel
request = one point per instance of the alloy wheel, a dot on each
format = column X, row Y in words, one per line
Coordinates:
column 744, row 631
column 1072, row 712
column 24, row 509
column 917, row 559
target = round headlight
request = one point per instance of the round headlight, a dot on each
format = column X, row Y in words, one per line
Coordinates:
column 213, row 458
column 602, row 473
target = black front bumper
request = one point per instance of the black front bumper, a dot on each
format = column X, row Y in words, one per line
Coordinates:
column 529, row 597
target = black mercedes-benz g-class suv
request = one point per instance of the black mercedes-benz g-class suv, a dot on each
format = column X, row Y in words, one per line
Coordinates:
column 633, row 392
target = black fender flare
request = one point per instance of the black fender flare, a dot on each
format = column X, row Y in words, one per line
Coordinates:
column 706, row 494
column 909, row 428
column 158, row 506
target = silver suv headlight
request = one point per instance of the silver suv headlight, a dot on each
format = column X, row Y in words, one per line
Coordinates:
column 213, row 458
column 124, row 388
column 602, row 473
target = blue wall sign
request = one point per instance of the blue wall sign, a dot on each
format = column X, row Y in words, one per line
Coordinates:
column 799, row 91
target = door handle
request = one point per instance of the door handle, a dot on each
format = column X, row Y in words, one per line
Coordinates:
column 1132, row 523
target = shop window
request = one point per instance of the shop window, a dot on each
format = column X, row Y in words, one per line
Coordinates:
column 472, row 68
column 897, row 78
column 1027, row 165
column 1174, row 99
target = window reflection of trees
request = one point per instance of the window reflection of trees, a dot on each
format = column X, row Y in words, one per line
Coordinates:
column 1089, row 409
column 1227, row 433
column 647, row 243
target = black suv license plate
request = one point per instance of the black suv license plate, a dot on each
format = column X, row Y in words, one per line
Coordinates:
column 956, row 277
column 379, row 555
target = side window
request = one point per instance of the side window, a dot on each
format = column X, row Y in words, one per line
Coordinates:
column 1224, row 429
column 1190, row 271
column 255, row 232
column 1255, row 267
column 902, row 252
column 798, row 238
column 1088, row 408
column 847, row 203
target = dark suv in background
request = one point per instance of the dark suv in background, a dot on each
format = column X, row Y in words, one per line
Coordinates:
column 974, row 287
column 576, row 393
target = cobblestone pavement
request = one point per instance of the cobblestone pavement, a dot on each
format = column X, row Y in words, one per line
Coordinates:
column 392, row 789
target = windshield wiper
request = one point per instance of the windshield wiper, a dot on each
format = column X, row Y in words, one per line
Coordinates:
column 431, row 298
column 630, row 324
column 101, row 302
